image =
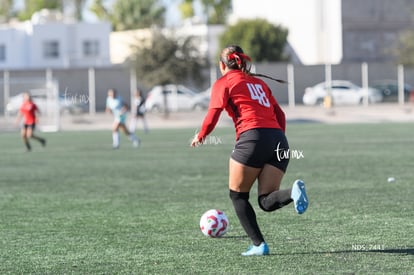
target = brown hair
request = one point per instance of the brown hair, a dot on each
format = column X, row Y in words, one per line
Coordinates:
column 234, row 58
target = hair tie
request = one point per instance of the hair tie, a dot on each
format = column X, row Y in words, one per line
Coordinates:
column 238, row 57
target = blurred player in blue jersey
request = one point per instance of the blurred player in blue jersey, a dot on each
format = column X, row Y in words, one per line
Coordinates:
column 116, row 106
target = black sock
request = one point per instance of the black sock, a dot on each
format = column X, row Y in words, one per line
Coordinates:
column 275, row 200
column 247, row 216
column 26, row 142
column 41, row 140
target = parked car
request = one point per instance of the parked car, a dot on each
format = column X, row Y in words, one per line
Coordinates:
column 389, row 90
column 343, row 93
column 40, row 98
column 178, row 98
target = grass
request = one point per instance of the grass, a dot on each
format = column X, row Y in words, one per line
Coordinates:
column 79, row 207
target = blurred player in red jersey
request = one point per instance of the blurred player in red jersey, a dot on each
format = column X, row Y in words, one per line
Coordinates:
column 261, row 150
column 28, row 112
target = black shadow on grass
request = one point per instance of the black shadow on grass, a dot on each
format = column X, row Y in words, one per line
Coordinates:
column 405, row 251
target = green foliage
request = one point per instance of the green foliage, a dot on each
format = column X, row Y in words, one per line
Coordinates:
column 405, row 49
column 32, row 6
column 6, row 11
column 136, row 14
column 78, row 8
column 186, row 9
column 98, row 8
column 261, row 40
column 167, row 60
column 216, row 10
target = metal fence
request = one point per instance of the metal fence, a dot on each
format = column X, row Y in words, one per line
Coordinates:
column 90, row 85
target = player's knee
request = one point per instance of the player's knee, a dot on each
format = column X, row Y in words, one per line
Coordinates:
column 265, row 206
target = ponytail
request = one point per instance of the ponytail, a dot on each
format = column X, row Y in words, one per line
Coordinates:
column 235, row 59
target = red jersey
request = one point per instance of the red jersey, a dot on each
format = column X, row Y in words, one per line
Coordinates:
column 248, row 101
column 28, row 110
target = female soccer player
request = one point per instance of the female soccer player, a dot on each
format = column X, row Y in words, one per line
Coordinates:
column 28, row 111
column 116, row 106
column 139, row 106
column 260, row 126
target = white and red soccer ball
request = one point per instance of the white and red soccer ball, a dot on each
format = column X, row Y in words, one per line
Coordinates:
column 214, row 223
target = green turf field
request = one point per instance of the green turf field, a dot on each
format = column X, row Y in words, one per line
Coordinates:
column 79, row 207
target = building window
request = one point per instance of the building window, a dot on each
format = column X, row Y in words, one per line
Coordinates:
column 51, row 49
column 2, row 53
column 90, row 48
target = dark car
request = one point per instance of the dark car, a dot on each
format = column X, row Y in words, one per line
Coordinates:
column 389, row 90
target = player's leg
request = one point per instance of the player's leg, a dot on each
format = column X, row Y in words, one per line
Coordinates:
column 133, row 124
column 241, row 179
column 24, row 137
column 131, row 135
column 270, row 178
column 115, row 135
column 270, row 197
column 33, row 136
column 145, row 124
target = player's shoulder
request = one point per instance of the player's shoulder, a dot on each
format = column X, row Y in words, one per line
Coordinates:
column 260, row 81
column 220, row 83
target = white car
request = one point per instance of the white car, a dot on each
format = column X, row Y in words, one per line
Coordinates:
column 343, row 93
column 178, row 98
column 39, row 97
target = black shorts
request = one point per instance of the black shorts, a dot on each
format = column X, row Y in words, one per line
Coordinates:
column 257, row 147
column 32, row 126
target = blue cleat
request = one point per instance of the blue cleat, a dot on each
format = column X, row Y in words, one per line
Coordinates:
column 260, row 250
column 299, row 196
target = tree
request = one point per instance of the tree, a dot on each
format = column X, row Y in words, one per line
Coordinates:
column 164, row 60
column 32, row 6
column 186, row 9
column 98, row 8
column 261, row 40
column 135, row 14
column 216, row 10
column 404, row 52
column 79, row 4
column 6, row 11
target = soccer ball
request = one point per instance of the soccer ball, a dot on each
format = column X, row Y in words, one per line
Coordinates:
column 214, row 223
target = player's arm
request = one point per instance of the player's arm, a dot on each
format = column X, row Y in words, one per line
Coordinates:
column 280, row 116
column 209, row 123
column 37, row 111
column 218, row 100
column 108, row 110
column 125, row 107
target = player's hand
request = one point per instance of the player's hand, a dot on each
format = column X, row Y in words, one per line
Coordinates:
column 196, row 141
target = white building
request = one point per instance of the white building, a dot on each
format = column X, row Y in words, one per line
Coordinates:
column 49, row 42
column 122, row 43
column 315, row 26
